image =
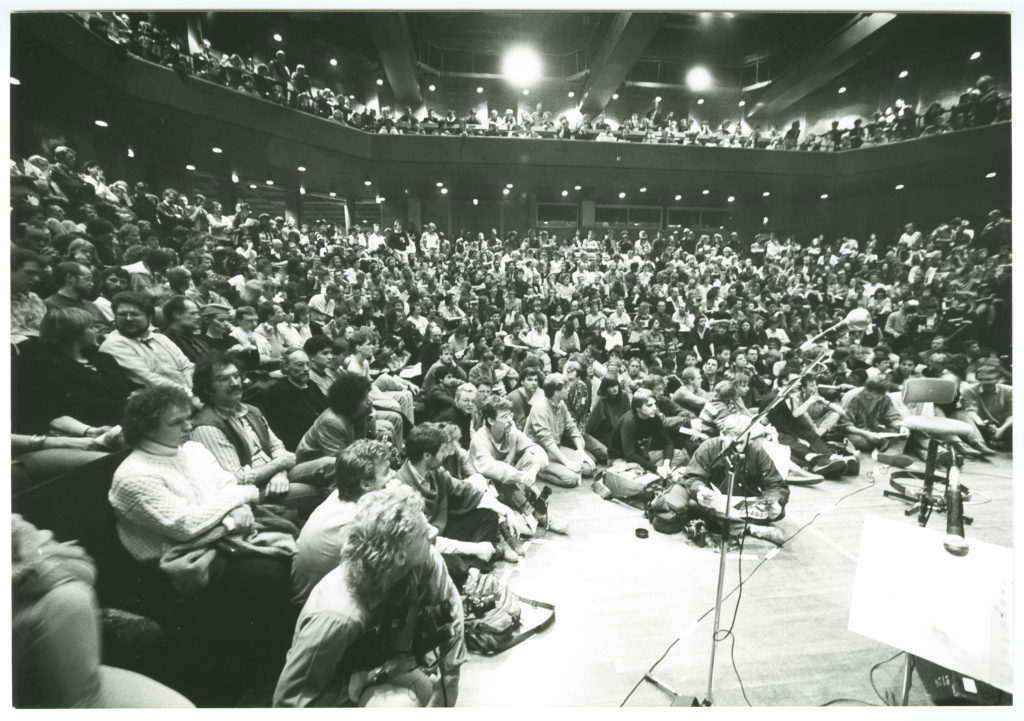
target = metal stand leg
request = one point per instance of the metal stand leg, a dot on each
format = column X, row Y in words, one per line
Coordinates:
column 908, row 678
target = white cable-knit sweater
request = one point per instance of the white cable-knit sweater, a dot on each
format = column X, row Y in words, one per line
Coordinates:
column 163, row 496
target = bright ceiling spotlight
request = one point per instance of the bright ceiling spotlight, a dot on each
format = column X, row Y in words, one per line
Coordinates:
column 506, row 191
column 615, row 96
column 900, row 186
column 444, row 191
column 216, row 150
column 476, row 201
column 15, row 81
column 333, row 194
column 577, row 187
column 131, row 153
column 824, row 196
column 731, row 199
column 277, row 37
column 990, row 175
column 334, row 62
column 678, row 198
column 700, row 101
column 765, row 194
column 234, row 177
column 479, row 89
column 705, row 192
column 622, row 195
column 252, row 186
column 509, row 186
column 102, row 123
column 269, row 181
column 975, row 55
column 521, row 66
column 380, row 81
column 572, row 94
column 367, row 183
column 565, row 193
column 698, row 79
column 842, row 90
column 643, row 189
column 302, row 190
column 432, row 87
column 742, row 103
column 190, row 167
column 301, row 168
column 904, row 73
column 439, row 184
column 526, row 91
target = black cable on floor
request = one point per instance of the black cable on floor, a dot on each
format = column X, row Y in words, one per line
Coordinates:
column 739, row 589
column 848, row 700
column 871, row 675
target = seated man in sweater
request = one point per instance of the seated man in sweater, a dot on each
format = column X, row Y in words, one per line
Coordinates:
column 523, row 396
column 465, row 517
column 504, row 455
column 293, row 403
column 550, row 425
column 243, row 443
column 360, row 468
column 707, row 476
column 640, row 437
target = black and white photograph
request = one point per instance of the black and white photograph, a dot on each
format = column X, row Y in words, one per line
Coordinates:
column 511, row 356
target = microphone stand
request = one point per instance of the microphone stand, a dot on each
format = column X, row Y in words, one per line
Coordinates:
column 728, row 456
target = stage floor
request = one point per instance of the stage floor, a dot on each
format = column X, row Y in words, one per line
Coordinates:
column 622, row 601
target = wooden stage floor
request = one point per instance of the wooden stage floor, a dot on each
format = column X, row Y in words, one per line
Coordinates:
column 622, row 601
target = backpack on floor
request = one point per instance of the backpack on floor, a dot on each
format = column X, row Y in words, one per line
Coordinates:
column 494, row 615
column 667, row 511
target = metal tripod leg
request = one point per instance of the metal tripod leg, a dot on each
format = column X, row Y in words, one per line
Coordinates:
column 908, row 678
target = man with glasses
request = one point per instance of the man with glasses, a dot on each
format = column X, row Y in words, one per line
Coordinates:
column 147, row 358
column 74, row 289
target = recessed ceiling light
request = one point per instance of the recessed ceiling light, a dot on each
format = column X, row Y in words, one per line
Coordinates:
column 277, row 37
column 440, row 184
column 904, row 73
column 622, row 195
column 731, row 199
column 842, row 90
column 678, row 198
column 764, row 220
column 301, row 168
column 432, row 87
column 572, row 94
column 615, row 96
column 657, row 99
column 190, row 167
column 333, row 194
column 643, row 189
column 101, row 123
column 479, row 89
column 380, row 81
column 565, row 193
column 765, row 194
column 526, row 91
column 131, row 153
column 269, row 181
column 216, row 150
column 900, row 186
column 334, row 62
column 476, row 201
column 700, row 101
column 252, row 185
column 577, row 187
column 824, row 196
column 505, row 191
column 509, row 186
column 990, row 175
column 975, row 55
column 234, row 177
column 705, row 191
column 15, row 81
column 742, row 103
column 302, row 190
column 444, row 191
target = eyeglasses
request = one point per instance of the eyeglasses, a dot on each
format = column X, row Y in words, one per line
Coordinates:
column 227, row 377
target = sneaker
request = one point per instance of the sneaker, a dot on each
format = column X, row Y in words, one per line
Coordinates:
column 829, row 467
column 558, row 525
column 852, row 466
column 767, row 533
column 800, row 477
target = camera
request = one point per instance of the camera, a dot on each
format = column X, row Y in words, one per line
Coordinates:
column 697, row 531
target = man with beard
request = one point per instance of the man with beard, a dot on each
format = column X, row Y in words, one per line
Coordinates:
column 294, row 402
column 147, row 358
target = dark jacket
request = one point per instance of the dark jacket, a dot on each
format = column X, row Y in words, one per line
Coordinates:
column 291, row 410
column 633, row 439
column 442, row 495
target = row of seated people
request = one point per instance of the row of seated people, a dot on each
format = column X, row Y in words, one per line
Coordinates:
column 979, row 105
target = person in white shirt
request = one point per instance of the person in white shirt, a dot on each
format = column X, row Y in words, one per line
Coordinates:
column 430, row 242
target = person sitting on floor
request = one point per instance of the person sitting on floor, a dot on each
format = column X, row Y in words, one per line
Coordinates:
column 640, row 437
column 354, row 639
column 551, row 426
column 358, row 469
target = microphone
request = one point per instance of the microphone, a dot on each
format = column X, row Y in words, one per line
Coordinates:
column 858, row 319
column 955, row 543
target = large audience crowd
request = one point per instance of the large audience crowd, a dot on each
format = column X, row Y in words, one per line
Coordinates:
column 274, row 81
column 290, row 396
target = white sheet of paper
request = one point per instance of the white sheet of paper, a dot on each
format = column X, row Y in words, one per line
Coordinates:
column 911, row 594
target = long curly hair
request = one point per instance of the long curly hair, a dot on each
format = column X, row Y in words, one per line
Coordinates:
column 384, row 523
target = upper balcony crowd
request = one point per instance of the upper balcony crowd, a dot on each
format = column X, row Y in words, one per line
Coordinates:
column 276, row 82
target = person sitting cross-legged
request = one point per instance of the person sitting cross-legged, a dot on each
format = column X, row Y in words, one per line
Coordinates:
column 504, row 455
column 466, row 517
column 640, row 437
column 549, row 425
